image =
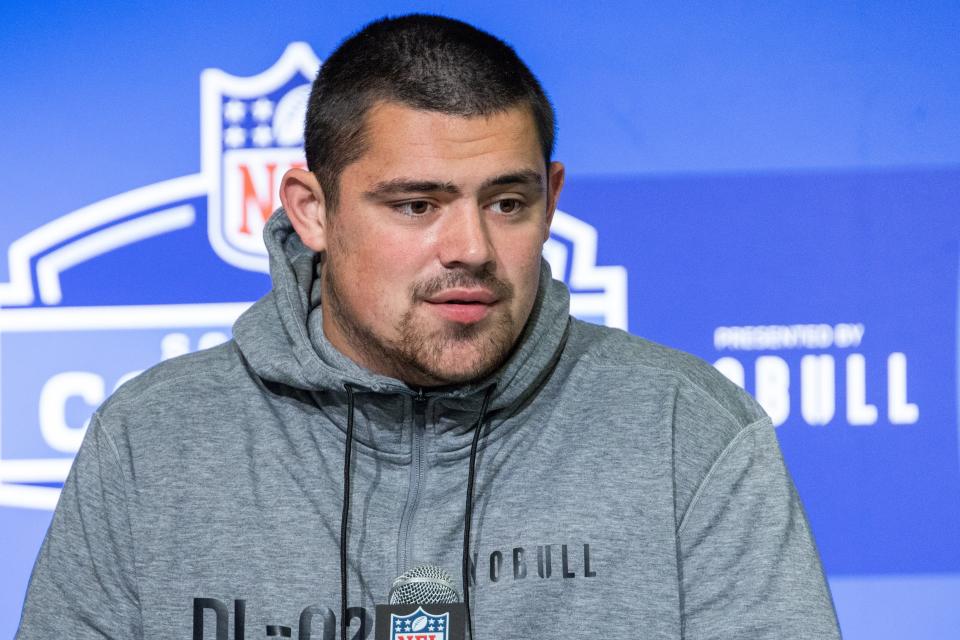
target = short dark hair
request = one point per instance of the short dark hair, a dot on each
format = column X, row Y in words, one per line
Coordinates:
column 421, row 61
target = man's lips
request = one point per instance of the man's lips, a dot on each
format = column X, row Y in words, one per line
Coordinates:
column 465, row 306
column 463, row 296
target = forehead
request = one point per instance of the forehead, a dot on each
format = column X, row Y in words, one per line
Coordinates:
column 404, row 142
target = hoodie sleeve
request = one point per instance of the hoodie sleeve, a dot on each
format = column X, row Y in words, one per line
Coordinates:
column 749, row 566
column 84, row 582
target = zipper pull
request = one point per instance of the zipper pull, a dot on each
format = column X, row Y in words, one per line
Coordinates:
column 420, row 403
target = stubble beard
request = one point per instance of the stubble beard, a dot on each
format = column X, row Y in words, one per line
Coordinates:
column 453, row 353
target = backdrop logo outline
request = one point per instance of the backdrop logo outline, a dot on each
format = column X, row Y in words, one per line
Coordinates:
column 32, row 301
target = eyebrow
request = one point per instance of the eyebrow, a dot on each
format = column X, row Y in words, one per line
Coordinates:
column 406, row 185
column 524, row 177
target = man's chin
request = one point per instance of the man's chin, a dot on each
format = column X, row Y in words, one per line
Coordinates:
column 457, row 370
column 461, row 361
column 457, row 353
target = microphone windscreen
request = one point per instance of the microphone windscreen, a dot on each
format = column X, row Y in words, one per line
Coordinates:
column 425, row 584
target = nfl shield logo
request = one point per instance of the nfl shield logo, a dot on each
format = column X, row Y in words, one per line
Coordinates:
column 419, row 625
column 251, row 133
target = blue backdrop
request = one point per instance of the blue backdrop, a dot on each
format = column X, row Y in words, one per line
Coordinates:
column 771, row 186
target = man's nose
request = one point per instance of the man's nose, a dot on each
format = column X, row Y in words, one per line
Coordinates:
column 465, row 238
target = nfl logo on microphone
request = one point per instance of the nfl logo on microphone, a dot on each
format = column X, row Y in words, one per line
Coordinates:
column 438, row 621
column 419, row 625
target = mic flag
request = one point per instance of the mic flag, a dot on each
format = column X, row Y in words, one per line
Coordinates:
column 424, row 605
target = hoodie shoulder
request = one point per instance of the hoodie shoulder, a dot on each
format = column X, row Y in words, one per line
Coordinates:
column 645, row 362
column 667, row 389
column 192, row 384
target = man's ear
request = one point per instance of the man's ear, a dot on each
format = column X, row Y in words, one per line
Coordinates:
column 555, row 175
column 305, row 205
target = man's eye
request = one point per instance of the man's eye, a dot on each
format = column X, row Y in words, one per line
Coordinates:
column 415, row 208
column 507, row 206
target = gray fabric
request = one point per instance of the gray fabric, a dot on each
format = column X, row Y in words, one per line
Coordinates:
column 218, row 475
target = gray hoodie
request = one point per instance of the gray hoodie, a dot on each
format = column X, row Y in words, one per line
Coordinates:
column 623, row 490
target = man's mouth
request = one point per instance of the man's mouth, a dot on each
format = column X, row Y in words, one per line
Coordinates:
column 465, row 306
column 463, row 296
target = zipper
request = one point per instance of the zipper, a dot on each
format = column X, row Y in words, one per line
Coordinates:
column 416, row 480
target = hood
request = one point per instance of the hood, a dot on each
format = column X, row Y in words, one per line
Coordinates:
column 282, row 339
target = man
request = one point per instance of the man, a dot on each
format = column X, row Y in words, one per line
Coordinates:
column 413, row 357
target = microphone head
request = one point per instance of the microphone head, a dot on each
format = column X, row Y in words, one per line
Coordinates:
column 425, row 584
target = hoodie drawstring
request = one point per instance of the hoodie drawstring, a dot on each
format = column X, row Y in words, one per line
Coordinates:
column 345, row 515
column 468, row 511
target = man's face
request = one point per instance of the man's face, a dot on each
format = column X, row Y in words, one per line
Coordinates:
column 433, row 253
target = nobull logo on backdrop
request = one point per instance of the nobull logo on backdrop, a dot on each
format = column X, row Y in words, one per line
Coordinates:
column 823, row 373
column 99, row 294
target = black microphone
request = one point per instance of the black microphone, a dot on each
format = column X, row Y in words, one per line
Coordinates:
column 424, row 605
